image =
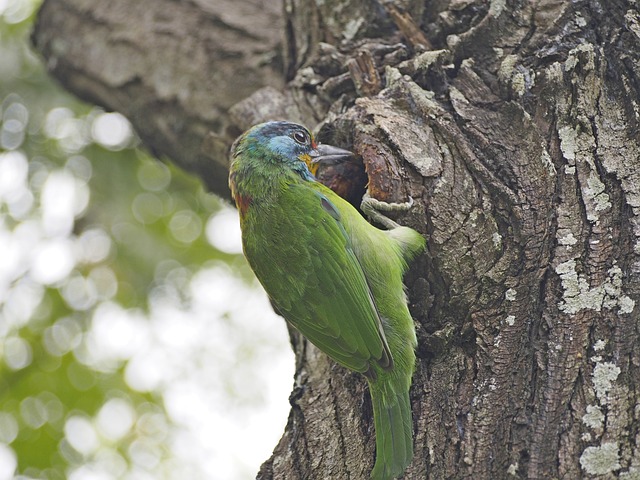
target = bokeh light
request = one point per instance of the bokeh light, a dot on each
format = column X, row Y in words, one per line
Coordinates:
column 223, row 231
column 111, row 130
column 8, row 462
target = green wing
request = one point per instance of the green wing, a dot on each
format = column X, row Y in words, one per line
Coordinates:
column 302, row 255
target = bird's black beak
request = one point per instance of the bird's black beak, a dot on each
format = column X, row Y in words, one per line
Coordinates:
column 329, row 154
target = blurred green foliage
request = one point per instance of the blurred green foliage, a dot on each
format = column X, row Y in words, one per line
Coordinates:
column 109, row 286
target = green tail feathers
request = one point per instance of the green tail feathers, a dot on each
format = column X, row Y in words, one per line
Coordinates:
column 394, row 435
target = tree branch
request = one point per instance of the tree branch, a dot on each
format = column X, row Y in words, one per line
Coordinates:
column 173, row 68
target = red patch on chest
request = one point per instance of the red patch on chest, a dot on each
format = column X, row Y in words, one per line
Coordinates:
column 242, row 202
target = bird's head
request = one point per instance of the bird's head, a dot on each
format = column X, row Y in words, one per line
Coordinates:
column 286, row 144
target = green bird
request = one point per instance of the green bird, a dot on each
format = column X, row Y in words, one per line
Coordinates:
column 330, row 273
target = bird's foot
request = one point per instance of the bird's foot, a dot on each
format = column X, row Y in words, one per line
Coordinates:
column 373, row 209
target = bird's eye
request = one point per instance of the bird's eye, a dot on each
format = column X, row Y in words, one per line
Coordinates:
column 301, row 137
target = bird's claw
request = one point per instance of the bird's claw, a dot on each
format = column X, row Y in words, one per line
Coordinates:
column 373, row 207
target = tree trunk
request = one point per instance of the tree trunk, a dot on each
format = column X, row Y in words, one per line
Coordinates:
column 514, row 127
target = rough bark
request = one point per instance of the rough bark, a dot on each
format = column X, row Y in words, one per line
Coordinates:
column 514, row 127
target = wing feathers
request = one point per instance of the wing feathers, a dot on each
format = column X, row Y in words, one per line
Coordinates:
column 315, row 279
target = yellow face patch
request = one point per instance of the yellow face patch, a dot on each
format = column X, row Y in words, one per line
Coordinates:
column 311, row 165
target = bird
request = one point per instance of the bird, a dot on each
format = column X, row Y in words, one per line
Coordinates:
column 330, row 273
